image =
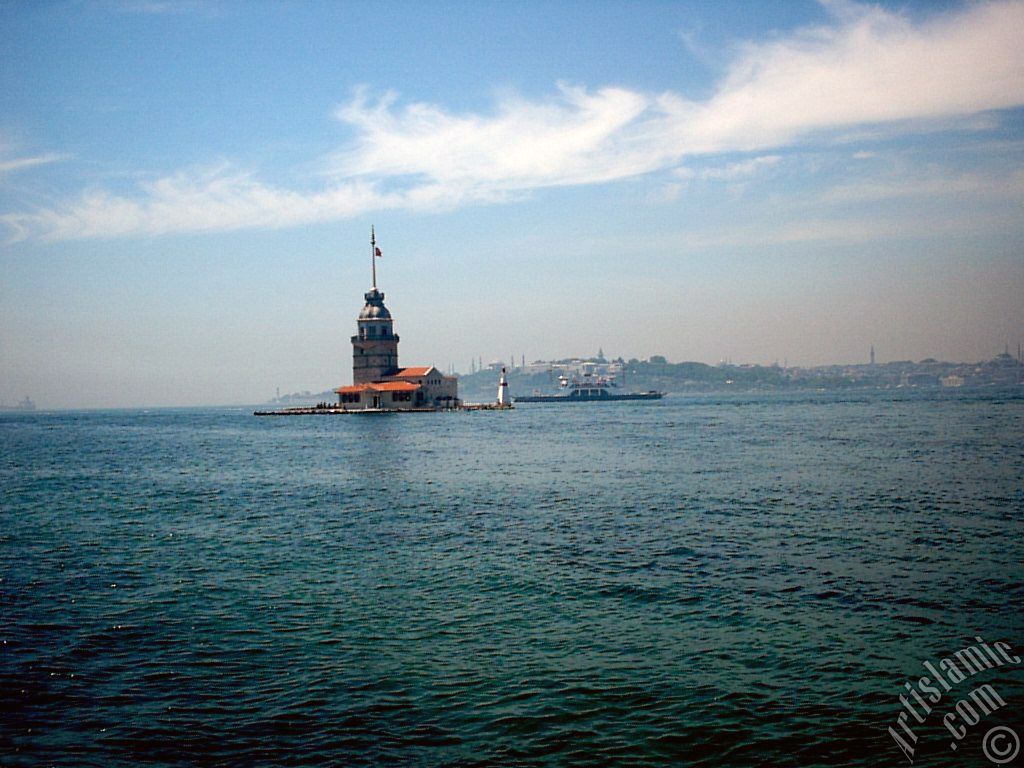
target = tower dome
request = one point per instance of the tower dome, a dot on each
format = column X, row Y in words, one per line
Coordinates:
column 374, row 308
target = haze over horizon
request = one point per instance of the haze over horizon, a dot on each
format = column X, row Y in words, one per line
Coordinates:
column 187, row 189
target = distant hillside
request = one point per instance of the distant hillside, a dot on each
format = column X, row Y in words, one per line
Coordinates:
column 659, row 374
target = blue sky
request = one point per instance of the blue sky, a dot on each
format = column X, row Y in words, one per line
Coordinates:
column 187, row 189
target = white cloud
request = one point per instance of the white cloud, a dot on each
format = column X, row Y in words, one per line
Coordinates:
column 20, row 163
column 869, row 69
column 874, row 66
column 577, row 138
column 731, row 172
column 218, row 199
column 889, row 189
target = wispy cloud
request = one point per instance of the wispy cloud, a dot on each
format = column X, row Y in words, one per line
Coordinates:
column 799, row 230
column 730, row 172
column 576, row 138
column 893, row 189
column 868, row 68
column 20, row 163
column 217, row 199
column 872, row 66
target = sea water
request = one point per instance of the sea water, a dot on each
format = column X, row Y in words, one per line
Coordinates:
column 717, row 580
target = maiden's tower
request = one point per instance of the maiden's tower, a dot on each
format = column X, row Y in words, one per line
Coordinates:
column 378, row 383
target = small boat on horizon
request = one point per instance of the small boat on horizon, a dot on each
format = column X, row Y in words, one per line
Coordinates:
column 23, row 405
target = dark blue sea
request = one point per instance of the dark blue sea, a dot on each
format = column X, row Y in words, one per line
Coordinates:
column 705, row 581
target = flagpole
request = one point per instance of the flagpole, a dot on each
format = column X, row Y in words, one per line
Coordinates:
column 373, row 255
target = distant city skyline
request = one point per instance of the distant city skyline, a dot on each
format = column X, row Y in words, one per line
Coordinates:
column 187, row 189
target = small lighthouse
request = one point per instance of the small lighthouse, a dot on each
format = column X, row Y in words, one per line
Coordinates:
column 504, row 400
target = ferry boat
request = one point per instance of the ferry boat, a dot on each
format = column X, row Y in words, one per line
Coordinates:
column 589, row 390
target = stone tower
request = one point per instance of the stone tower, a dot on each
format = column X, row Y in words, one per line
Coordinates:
column 375, row 345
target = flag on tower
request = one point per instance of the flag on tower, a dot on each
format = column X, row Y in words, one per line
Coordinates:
column 377, row 253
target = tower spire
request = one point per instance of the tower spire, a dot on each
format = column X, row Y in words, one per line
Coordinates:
column 373, row 255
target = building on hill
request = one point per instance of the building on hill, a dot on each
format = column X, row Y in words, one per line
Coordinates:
column 378, row 383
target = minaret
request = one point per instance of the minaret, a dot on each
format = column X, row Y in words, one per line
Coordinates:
column 375, row 345
column 503, row 398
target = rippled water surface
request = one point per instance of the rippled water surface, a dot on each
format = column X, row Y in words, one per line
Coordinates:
column 698, row 581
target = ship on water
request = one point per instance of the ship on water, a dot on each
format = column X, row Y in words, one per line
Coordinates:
column 588, row 389
column 23, row 405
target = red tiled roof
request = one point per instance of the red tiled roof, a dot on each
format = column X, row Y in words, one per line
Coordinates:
column 411, row 373
column 351, row 389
